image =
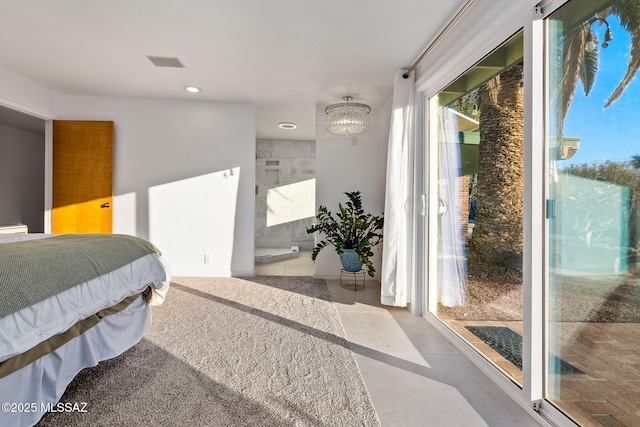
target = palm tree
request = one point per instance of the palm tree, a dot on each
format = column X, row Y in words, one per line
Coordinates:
column 629, row 14
column 578, row 64
column 496, row 242
column 581, row 64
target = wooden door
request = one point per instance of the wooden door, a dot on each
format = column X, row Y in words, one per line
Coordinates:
column 82, row 176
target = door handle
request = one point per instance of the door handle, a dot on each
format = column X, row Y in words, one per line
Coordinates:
column 105, row 205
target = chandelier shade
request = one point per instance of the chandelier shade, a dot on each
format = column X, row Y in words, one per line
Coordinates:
column 347, row 118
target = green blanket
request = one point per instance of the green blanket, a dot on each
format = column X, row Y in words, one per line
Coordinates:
column 34, row 270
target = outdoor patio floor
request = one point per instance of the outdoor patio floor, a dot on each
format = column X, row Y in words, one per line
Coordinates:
column 608, row 354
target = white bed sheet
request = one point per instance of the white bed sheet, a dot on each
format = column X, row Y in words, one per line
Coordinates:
column 45, row 380
column 10, row 238
column 28, row 327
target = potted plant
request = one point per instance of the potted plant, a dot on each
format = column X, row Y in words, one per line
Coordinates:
column 353, row 234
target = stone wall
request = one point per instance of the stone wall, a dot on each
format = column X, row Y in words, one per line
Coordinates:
column 285, row 193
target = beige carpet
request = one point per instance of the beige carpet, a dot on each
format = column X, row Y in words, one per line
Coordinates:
column 268, row 351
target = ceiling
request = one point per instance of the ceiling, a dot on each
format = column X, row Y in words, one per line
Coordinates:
column 285, row 56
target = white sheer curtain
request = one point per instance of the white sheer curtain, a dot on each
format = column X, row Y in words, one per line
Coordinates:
column 395, row 274
column 452, row 261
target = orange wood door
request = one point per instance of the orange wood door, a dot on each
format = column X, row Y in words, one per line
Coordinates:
column 82, row 176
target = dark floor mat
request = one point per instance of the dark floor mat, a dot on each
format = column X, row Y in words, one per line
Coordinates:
column 509, row 345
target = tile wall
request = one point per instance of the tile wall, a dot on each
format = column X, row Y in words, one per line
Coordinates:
column 285, row 193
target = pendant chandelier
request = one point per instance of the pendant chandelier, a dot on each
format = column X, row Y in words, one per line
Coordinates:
column 347, row 118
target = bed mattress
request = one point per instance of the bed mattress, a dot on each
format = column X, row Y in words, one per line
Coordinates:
column 141, row 282
column 29, row 393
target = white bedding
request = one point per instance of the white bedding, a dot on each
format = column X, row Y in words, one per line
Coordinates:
column 19, row 237
column 29, row 326
column 45, row 380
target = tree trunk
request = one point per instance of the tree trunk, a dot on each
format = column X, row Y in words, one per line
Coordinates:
column 496, row 242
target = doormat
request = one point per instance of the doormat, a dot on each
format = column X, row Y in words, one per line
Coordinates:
column 509, row 345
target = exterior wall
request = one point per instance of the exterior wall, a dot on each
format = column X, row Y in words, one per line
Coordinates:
column 285, row 193
column 602, row 241
column 463, row 199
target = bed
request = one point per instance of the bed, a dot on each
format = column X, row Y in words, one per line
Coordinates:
column 68, row 302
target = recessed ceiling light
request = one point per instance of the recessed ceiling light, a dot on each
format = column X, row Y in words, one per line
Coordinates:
column 192, row 89
column 287, row 125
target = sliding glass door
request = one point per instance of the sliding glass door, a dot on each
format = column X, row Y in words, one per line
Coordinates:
column 480, row 206
column 593, row 210
column 548, row 120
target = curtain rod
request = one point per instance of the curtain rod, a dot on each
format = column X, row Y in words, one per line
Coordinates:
column 437, row 39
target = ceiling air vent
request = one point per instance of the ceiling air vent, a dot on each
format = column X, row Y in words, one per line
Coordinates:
column 166, row 61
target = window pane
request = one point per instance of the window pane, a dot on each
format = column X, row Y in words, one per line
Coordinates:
column 593, row 358
column 480, row 190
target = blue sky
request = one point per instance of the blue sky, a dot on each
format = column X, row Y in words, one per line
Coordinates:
column 612, row 133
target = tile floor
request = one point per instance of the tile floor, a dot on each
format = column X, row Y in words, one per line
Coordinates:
column 300, row 266
column 415, row 377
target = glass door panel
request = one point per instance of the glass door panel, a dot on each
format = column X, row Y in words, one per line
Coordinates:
column 480, row 206
column 593, row 210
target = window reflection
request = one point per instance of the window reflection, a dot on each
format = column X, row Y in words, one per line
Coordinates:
column 593, row 365
column 480, row 213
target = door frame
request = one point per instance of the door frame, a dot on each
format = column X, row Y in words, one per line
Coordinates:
column 48, row 174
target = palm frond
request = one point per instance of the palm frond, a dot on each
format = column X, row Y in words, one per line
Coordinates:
column 589, row 69
column 573, row 53
column 629, row 14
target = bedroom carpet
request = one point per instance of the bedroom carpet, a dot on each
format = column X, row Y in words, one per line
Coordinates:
column 265, row 351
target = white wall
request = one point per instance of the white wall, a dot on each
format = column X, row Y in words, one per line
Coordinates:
column 183, row 177
column 22, row 178
column 24, row 95
column 351, row 164
column 163, row 145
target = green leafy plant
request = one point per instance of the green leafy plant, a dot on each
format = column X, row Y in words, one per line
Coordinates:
column 352, row 229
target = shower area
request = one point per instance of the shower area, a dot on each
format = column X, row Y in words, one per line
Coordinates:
column 285, row 206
